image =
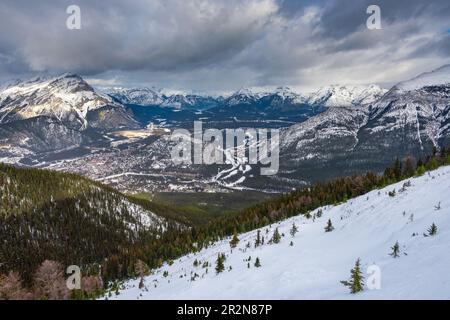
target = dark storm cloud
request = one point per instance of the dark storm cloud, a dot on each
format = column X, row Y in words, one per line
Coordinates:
column 156, row 35
column 341, row 18
column 224, row 44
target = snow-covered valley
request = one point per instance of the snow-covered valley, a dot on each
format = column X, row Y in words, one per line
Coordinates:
column 312, row 267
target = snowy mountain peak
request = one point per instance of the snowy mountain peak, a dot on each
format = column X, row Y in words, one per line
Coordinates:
column 283, row 89
column 244, row 92
column 178, row 101
column 344, row 96
column 242, row 96
column 66, row 97
column 141, row 96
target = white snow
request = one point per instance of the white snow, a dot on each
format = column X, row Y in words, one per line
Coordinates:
column 365, row 227
column 142, row 96
column 65, row 97
column 436, row 77
column 345, row 96
column 331, row 96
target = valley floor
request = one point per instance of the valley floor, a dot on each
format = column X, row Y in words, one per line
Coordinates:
column 365, row 227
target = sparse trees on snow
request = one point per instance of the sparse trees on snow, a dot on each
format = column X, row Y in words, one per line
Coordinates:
column 220, row 263
column 196, row 263
column 329, row 226
column 258, row 241
column 276, row 238
column 432, row 231
column 395, row 250
column 356, row 282
column 293, row 230
column 235, row 240
column 319, row 213
column 142, row 270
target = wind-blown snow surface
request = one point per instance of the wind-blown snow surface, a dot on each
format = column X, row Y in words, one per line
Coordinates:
column 439, row 76
column 365, row 227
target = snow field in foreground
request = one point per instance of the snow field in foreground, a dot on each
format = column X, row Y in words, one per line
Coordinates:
column 365, row 227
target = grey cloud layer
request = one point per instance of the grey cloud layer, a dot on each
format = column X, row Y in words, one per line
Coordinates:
column 225, row 44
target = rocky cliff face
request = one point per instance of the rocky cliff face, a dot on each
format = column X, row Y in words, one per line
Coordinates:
column 411, row 119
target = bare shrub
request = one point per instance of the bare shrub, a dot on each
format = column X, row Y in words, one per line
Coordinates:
column 11, row 288
column 49, row 281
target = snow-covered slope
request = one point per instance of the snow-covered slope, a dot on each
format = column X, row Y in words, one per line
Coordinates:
column 420, row 107
column 157, row 97
column 345, row 96
column 365, row 227
column 55, row 113
column 333, row 96
column 67, row 98
column 141, row 96
column 335, row 123
column 440, row 76
column 409, row 120
column 243, row 96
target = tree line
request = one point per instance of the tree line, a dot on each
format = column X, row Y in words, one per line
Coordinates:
column 83, row 223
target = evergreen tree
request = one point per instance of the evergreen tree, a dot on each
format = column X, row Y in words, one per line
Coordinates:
column 234, row 241
column 319, row 213
column 395, row 250
column 293, row 230
column 257, row 263
column 409, row 169
column 220, row 266
column 356, row 282
column 258, row 241
column 329, row 226
column 142, row 270
column 398, row 169
column 433, row 230
column 276, row 238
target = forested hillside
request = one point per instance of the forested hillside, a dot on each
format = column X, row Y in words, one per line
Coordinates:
column 69, row 219
column 390, row 243
column 298, row 203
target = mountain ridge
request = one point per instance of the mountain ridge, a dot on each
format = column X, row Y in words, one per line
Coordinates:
column 311, row 262
column 333, row 95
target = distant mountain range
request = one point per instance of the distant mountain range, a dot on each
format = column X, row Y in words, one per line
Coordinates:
column 48, row 114
column 338, row 130
column 328, row 96
column 246, row 107
column 411, row 119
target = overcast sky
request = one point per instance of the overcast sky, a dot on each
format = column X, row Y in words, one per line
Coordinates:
column 223, row 45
